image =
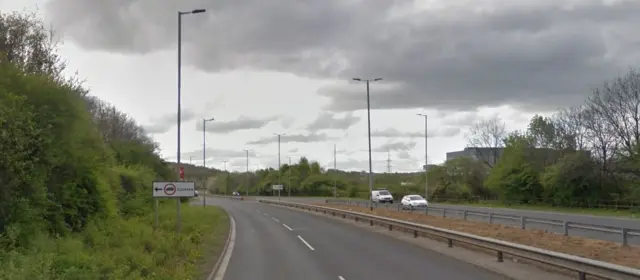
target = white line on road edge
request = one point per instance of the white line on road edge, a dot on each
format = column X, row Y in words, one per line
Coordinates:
column 221, row 266
column 275, row 219
column 305, row 243
column 287, row 227
column 341, row 278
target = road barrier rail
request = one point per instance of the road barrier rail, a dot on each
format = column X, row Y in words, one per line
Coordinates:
column 624, row 233
column 581, row 266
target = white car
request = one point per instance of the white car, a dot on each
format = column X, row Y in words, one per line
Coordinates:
column 196, row 193
column 413, row 201
column 381, row 196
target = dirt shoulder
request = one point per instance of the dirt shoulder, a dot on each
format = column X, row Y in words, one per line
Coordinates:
column 579, row 246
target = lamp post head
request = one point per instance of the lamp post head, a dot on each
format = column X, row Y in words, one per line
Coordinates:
column 377, row 79
column 197, row 11
column 357, row 79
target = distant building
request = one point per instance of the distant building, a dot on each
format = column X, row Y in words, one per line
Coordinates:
column 488, row 155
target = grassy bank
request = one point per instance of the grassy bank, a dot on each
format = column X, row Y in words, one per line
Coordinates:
column 126, row 249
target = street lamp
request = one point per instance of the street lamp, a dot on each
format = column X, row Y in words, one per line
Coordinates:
column 247, row 185
column 204, row 157
column 426, row 158
column 279, row 171
column 197, row 11
column 369, row 136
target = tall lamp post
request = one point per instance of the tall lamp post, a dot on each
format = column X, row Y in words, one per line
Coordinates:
column 279, row 170
column 204, row 158
column 426, row 157
column 247, row 185
column 180, row 14
column 368, row 81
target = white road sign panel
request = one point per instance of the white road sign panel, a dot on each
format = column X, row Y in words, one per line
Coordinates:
column 277, row 187
column 174, row 189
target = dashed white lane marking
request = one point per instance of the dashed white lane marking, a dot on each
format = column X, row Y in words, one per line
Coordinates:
column 275, row 219
column 266, row 214
column 306, row 243
column 286, row 226
column 341, row 278
column 258, row 211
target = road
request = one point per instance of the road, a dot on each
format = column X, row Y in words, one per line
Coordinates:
column 543, row 215
column 274, row 243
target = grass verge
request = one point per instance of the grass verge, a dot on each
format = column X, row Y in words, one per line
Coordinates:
column 126, row 249
column 589, row 248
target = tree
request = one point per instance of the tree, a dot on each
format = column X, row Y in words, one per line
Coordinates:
column 486, row 137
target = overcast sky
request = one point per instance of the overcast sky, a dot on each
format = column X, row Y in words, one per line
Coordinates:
column 263, row 67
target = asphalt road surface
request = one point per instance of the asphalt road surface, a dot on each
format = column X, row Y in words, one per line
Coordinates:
column 613, row 222
column 274, row 243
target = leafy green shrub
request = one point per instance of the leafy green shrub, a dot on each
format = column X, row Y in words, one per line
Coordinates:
column 124, row 248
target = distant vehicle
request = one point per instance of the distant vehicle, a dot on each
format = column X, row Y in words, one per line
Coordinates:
column 414, row 201
column 236, row 194
column 196, row 193
column 381, row 196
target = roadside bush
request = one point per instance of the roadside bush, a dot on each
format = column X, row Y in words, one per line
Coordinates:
column 124, row 248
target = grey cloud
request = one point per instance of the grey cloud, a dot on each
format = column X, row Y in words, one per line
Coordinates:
column 395, row 146
column 216, row 154
column 166, row 122
column 294, row 150
column 293, row 138
column 404, row 155
column 441, row 131
column 242, row 123
column 536, row 54
column 330, row 121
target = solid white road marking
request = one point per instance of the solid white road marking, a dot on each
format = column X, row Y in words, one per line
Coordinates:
column 341, row 278
column 287, row 227
column 275, row 219
column 220, row 269
column 306, row 243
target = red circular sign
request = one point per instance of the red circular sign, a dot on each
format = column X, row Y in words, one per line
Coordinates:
column 170, row 189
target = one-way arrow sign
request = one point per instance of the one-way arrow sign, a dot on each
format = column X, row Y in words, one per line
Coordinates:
column 157, row 189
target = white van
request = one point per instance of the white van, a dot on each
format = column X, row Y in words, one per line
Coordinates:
column 381, row 196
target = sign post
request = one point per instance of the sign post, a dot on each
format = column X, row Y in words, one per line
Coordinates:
column 277, row 188
column 176, row 190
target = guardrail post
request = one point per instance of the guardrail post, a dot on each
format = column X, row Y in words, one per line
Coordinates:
column 415, row 233
column 444, row 213
column 399, row 207
column 582, row 275
column 624, row 231
column 490, row 218
column 371, row 222
column 426, row 210
column 390, row 227
column 356, row 219
column 500, row 257
column 386, row 206
column 411, row 209
column 565, row 228
column 464, row 215
column 450, row 243
column 523, row 221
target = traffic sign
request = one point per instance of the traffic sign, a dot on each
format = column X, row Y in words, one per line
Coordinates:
column 181, row 173
column 174, row 189
column 277, row 187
